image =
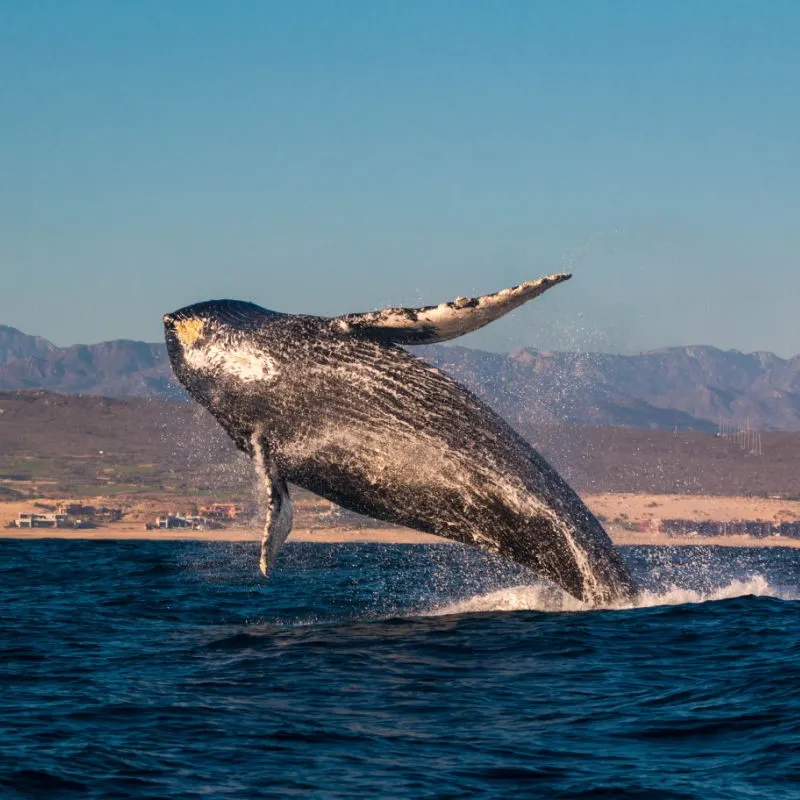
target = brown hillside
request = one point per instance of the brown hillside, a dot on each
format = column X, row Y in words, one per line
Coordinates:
column 59, row 445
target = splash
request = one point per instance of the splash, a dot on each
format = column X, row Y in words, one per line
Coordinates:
column 537, row 597
column 542, row 597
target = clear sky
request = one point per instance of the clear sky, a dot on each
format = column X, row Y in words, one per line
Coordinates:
column 327, row 157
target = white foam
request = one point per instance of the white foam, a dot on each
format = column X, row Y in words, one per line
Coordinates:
column 537, row 597
column 755, row 585
column 541, row 597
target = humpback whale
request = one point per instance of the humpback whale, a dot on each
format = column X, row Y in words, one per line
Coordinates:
column 339, row 406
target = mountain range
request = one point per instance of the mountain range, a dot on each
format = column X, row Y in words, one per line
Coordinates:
column 691, row 388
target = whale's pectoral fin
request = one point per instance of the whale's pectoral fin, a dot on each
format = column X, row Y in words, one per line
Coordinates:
column 431, row 324
column 278, row 523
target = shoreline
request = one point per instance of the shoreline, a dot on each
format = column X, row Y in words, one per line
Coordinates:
column 618, row 512
column 620, row 538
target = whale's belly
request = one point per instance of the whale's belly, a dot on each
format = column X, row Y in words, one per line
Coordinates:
column 399, row 465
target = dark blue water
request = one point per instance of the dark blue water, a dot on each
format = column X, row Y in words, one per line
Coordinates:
column 163, row 669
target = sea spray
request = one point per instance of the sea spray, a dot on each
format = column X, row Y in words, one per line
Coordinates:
column 549, row 598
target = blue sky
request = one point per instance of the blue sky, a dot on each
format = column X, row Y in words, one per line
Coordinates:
column 328, row 157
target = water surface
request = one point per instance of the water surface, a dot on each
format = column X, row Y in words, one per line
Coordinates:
column 171, row 669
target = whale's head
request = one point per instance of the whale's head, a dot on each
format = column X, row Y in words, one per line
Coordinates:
column 219, row 343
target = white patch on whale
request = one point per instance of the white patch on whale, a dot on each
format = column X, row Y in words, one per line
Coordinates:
column 240, row 360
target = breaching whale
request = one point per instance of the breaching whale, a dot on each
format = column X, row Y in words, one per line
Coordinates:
column 339, row 406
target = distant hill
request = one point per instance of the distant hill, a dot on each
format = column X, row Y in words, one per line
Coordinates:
column 87, row 446
column 688, row 387
column 693, row 388
column 17, row 345
column 119, row 368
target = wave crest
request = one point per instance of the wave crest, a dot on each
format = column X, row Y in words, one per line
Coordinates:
column 544, row 597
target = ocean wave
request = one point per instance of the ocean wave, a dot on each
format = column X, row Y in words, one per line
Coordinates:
column 548, row 598
column 332, row 679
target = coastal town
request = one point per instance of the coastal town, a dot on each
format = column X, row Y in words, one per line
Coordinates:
column 770, row 521
column 76, row 516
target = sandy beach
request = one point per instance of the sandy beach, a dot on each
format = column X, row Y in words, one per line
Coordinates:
column 234, row 534
column 123, row 531
column 700, row 508
column 387, row 535
column 613, row 508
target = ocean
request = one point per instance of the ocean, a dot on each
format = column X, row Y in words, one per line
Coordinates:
column 173, row 670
